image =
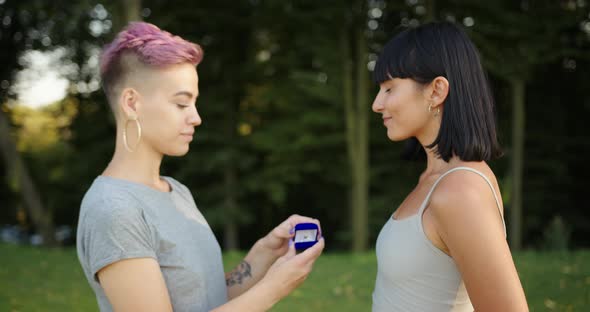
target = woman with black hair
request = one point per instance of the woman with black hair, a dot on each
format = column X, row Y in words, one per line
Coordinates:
column 444, row 248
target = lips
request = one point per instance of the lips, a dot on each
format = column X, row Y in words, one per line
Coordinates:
column 386, row 119
column 188, row 135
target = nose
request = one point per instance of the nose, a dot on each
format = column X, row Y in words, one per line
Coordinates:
column 377, row 105
column 194, row 118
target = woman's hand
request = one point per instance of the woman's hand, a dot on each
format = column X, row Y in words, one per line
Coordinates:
column 276, row 243
column 284, row 276
column 263, row 255
column 290, row 270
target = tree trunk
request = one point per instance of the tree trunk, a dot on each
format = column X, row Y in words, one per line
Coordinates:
column 355, row 94
column 125, row 11
column 361, row 165
column 131, row 10
column 230, row 177
column 230, row 228
column 16, row 169
column 430, row 11
column 518, row 128
column 347, row 95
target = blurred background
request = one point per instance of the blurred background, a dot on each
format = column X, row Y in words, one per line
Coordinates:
column 286, row 93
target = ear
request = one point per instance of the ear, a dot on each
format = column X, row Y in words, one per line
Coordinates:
column 129, row 103
column 437, row 91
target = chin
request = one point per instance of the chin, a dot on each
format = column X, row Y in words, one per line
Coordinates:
column 177, row 152
column 395, row 137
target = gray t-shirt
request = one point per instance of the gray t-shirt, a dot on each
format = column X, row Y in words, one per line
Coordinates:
column 120, row 219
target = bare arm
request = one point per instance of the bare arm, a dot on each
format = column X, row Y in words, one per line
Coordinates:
column 469, row 224
column 138, row 284
column 286, row 274
column 135, row 285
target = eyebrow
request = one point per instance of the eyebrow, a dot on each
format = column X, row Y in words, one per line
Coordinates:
column 185, row 93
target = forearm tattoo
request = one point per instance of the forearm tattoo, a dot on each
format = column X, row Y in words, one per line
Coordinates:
column 239, row 274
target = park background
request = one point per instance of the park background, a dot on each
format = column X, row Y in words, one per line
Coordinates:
column 286, row 95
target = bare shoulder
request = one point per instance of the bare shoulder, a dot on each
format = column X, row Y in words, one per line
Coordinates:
column 464, row 196
column 467, row 221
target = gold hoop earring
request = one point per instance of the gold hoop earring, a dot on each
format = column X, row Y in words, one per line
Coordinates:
column 125, row 134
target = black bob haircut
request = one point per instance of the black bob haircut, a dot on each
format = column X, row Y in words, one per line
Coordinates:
column 468, row 128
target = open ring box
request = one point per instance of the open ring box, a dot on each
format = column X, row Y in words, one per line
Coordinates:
column 306, row 235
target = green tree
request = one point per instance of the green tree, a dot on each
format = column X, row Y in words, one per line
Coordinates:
column 514, row 44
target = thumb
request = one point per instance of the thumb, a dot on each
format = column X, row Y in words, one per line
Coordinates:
column 288, row 255
column 311, row 254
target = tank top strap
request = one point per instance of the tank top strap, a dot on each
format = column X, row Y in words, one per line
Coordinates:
column 427, row 199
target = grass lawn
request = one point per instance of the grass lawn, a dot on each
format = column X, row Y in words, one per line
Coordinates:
column 34, row 279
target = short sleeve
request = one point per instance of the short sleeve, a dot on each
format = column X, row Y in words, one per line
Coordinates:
column 115, row 231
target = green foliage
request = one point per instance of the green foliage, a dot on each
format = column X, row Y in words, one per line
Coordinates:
column 273, row 132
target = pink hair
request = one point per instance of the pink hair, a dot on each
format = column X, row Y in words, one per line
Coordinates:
column 151, row 45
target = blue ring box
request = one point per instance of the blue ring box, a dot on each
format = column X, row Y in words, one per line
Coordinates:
column 306, row 244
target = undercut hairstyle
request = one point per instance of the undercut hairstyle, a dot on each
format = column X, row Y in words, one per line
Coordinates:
column 468, row 125
column 142, row 44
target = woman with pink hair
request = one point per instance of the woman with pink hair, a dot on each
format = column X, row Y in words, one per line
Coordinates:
column 142, row 242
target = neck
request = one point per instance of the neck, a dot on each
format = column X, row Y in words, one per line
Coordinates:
column 141, row 166
column 434, row 164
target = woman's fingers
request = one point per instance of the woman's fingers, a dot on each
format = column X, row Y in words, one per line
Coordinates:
column 308, row 256
column 286, row 228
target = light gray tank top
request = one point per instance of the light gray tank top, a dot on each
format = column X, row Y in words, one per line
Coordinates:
column 412, row 273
